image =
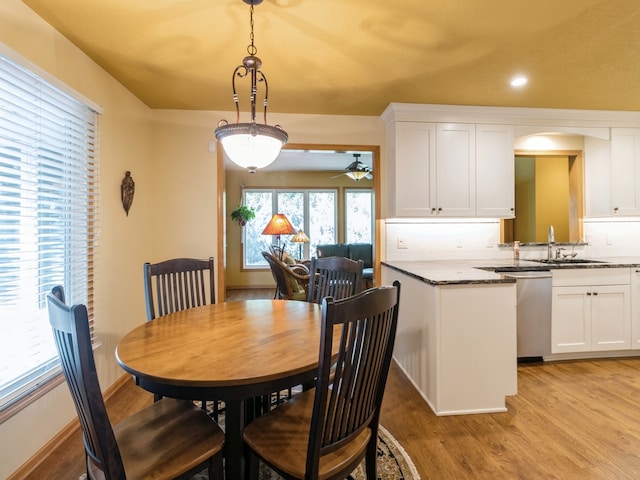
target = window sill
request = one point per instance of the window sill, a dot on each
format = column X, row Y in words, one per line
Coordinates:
column 23, row 402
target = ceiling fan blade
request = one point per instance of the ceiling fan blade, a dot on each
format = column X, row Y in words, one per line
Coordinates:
column 339, row 175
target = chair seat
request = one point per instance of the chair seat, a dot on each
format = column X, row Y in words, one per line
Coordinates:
column 299, row 295
column 161, row 440
column 281, row 437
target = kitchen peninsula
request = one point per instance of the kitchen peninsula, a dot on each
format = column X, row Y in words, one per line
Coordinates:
column 457, row 333
column 456, row 336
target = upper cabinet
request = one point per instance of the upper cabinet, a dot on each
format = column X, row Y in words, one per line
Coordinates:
column 450, row 169
column 455, row 169
column 413, row 178
column 625, row 171
column 458, row 161
column 495, row 174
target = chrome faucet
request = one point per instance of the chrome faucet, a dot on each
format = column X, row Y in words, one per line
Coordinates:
column 551, row 239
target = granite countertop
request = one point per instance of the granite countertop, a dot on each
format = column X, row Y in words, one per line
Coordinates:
column 460, row 272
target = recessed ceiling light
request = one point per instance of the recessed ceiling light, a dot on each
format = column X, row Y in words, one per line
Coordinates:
column 519, row 81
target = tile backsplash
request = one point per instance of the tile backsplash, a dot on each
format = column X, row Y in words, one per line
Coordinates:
column 479, row 238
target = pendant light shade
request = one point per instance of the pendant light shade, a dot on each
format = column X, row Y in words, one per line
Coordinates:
column 251, row 145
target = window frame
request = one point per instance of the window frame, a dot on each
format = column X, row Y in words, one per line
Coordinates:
column 262, row 264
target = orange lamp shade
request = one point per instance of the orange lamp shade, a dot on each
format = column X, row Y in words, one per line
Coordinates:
column 279, row 225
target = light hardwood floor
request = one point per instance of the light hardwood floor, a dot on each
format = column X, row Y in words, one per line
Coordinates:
column 570, row 420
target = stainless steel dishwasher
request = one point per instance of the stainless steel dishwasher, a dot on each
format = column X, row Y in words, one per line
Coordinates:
column 533, row 313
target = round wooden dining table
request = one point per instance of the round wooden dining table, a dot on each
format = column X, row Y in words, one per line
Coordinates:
column 229, row 351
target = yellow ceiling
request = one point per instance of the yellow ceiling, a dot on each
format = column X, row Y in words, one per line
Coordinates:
column 354, row 57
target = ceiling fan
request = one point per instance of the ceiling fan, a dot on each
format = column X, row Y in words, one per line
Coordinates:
column 357, row 170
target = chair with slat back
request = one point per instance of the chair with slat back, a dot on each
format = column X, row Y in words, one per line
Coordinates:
column 58, row 292
column 177, row 284
column 336, row 277
column 325, row 432
column 166, row 440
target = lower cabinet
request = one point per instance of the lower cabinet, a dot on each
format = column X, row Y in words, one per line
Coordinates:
column 591, row 310
column 635, row 308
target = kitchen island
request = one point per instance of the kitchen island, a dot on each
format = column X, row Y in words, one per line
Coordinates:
column 456, row 336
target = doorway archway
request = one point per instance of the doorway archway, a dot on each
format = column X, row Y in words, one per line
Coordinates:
column 222, row 195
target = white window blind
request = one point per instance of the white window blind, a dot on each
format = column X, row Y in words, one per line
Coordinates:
column 48, row 219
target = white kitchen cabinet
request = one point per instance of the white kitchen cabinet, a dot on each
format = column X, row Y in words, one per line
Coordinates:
column 433, row 170
column 591, row 310
column 635, row 308
column 597, row 177
column 455, row 169
column 411, row 168
column 495, row 171
column 625, row 171
column 457, row 343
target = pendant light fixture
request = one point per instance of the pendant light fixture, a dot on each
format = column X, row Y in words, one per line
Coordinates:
column 251, row 145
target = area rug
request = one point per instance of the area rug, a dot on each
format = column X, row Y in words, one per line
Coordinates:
column 393, row 462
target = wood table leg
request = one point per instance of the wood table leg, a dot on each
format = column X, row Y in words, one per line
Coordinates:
column 234, row 446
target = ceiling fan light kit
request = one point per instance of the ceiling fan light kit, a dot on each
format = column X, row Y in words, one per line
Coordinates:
column 251, row 145
column 357, row 175
column 357, row 170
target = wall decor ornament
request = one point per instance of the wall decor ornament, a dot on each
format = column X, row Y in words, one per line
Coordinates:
column 127, row 190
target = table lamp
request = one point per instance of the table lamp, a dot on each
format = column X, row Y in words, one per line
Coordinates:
column 279, row 225
column 300, row 237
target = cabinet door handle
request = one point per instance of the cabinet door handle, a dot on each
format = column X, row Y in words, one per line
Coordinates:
column 588, row 294
column 595, row 293
column 615, row 209
column 439, row 209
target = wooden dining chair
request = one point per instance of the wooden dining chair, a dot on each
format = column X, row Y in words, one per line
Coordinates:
column 58, row 292
column 292, row 281
column 327, row 431
column 166, row 440
column 337, row 277
column 177, row 284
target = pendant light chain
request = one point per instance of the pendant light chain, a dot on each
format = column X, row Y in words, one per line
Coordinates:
column 251, row 49
column 249, row 144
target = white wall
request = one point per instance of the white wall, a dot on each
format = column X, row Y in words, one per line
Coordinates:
column 442, row 239
column 458, row 239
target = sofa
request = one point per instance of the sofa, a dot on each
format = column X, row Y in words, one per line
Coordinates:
column 354, row 251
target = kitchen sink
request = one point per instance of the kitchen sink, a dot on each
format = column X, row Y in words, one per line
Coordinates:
column 561, row 261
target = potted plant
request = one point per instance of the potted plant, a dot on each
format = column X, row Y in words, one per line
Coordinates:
column 243, row 214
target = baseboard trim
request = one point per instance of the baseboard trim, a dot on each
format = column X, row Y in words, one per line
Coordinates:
column 70, row 429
